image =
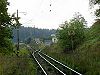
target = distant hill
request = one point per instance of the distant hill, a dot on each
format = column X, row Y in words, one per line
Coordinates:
column 29, row 32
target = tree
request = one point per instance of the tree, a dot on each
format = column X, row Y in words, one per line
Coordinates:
column 63, row 37
column 5, row 31
column 92, row 3
column 71, row 34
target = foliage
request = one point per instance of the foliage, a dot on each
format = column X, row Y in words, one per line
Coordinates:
column 71, row 34
column 13, row 65
column 4, row 17
column 5, row 31
column 28, row 40
column 87, row 54
column 94, row 31
column 34, row 45
column 28, row 32
column 93, row 3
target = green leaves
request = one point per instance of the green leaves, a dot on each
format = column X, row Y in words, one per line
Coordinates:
column 72, row 34
column 92, row 4
column 5, row 31
column 97, row 12
column 4, row 17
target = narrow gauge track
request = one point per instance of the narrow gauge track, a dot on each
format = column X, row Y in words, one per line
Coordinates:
column 50, row 66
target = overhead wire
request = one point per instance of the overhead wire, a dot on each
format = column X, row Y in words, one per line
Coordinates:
column 40, row 5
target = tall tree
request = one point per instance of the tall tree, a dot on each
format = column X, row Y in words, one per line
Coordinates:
column 71, row 34
column 93, row 3
column 5, row 32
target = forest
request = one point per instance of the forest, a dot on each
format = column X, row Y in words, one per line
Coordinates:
column 29, row 32
column 77, row 46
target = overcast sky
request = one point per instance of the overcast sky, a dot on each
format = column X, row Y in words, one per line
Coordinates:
column 38, row 12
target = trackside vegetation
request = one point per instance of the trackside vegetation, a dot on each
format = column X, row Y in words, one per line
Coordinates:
column 78, row 46
column 5, row 31
column 14, row 65
column 71, row 34
column 85, row 57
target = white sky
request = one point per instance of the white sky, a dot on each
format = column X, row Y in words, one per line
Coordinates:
column 38, row 12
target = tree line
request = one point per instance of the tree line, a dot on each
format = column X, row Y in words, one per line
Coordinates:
column 28, row 32
column 74, row 30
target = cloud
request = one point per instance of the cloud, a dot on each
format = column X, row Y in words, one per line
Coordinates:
column 39, row 11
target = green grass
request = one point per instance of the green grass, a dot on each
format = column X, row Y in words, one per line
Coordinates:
column 86, row 58
column 13, row 65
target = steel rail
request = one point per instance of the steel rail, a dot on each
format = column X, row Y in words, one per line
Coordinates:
column 33, row 54
column 52, row 64
column 61, row 64
column 39, row 51
column 39, row 64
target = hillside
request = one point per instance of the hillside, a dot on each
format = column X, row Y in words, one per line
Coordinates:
column 94, row 32
column 86, row 58
column 27, row 32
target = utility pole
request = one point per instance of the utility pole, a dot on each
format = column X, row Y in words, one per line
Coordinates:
column 17, row 26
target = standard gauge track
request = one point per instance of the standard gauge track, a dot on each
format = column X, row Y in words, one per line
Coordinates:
column 62, row 67
column 50, row 66
column 45, row 65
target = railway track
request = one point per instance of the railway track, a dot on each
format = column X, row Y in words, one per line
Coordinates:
column 46, row 66
column 50, row 66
